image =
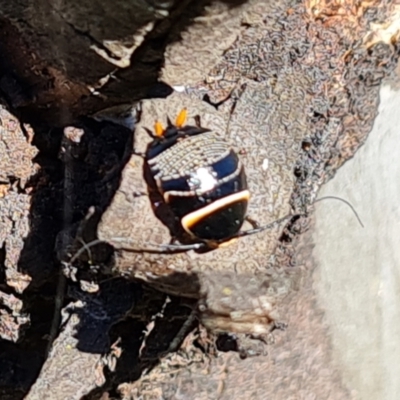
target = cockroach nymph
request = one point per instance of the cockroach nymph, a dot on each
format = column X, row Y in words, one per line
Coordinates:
column 203, row 182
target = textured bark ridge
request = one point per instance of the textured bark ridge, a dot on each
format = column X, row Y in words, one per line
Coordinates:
column 73, row 58
column 293, row 87
column 269, row 158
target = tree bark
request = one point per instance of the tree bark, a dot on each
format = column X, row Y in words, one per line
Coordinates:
column 68, row 58
column 296, row 87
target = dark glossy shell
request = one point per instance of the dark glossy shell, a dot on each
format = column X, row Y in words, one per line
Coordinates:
column 201, row 179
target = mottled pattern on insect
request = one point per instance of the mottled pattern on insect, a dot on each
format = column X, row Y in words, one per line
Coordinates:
column 201, row 180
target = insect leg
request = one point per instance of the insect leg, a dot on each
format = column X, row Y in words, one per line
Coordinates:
column 252, row 221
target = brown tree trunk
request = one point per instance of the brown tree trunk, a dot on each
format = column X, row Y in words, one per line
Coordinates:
column 61, row 59
column 293, row 87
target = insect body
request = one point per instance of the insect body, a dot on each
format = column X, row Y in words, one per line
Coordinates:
column 201, row 179
column 204, row 184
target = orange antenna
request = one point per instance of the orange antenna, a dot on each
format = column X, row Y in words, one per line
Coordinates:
column 158, row 128
column 181, row 118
